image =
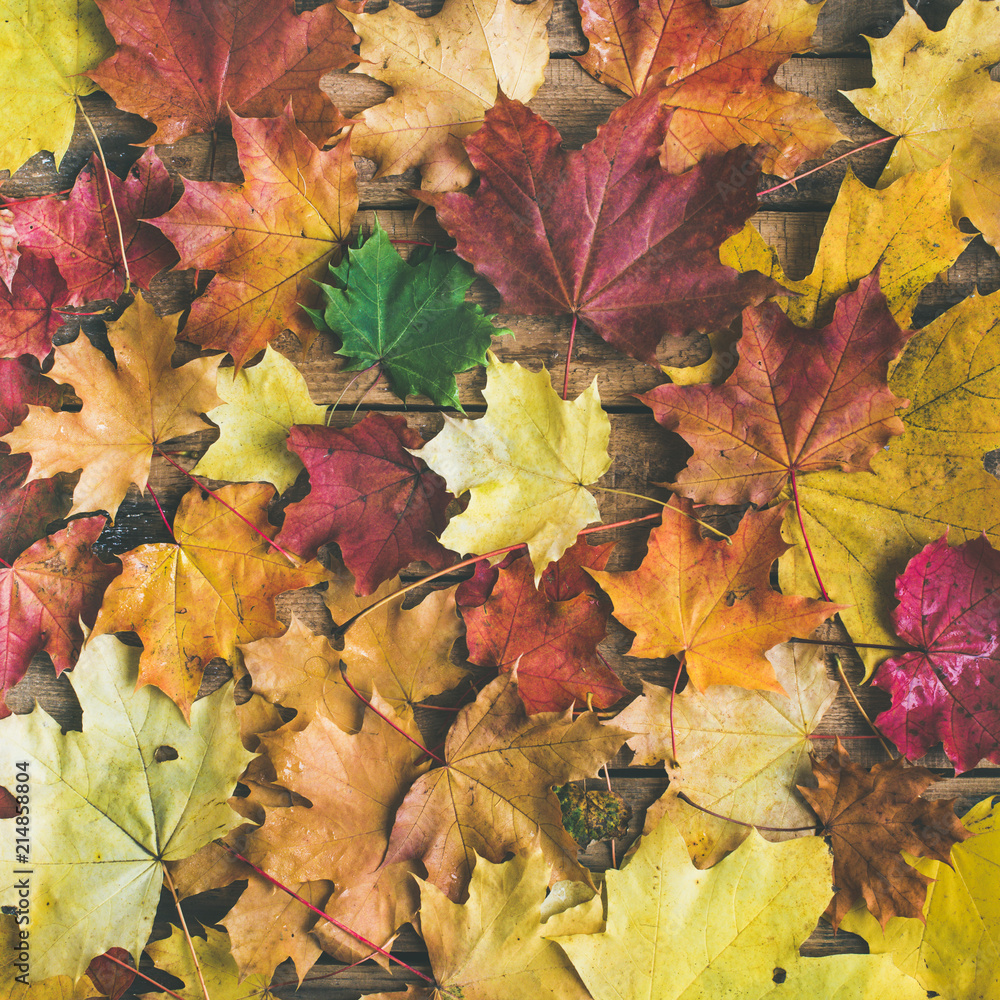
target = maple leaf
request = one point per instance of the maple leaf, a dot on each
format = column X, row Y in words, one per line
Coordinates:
column 493, row 945
column 107, row 811
column 409, row 318
column 51, row 43
column 715, row 66
column 28, row 316
column 863, row 529
column 81, row 234
column 44, row 596
column 129, row 409
column 10, row 256
column 799, row 401
column 711, row 601
column 110, row 978
column 933, row 90
column 593, row 814
column 370, row 496
column 904, row 229
column 527, row 464
column 260, row 404
column 495, row 791
column 677, row 933
column 267, row 925
column 182, row 66
column 739, row 753
column 403, row 653
column 946, row 688
column 212, row 960
column 870, row 817
column 27, row 511
column 445, row 71
column 553, row 643
column 953, row 950
column 299, row 670
column 266, row 239
column 604, row 233
column 198, row 598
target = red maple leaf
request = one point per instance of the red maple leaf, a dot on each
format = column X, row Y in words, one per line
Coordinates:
column 798, row 401
column 948, row 688
column 28, row 317
column 604, row 233
column 553, row 642
column 379, row 503
column 181, row 64
column 44, row 595
column 81, row 234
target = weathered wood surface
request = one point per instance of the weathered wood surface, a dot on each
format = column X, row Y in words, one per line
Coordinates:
column 792, row 221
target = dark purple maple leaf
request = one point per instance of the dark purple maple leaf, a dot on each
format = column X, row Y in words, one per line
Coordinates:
column 380, row 504
column 948, row 688
column 553, row 642
column 605, row 233
column 80, row 233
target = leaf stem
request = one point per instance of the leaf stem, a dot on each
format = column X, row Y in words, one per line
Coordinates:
column 857, row 705
column 805, row 537
column 673, row 694
column 111, row 197
column 163, row 517
column 402, row 732
column 293, row 559
column 836, row 159
column 327, row 917
column 666, row 505
column 141, row 975
column 858, row 645
column 184, row 927
column 569, row 355
column 739, row 822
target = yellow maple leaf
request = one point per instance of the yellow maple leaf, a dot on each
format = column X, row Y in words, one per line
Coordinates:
column 129, row 407
column 933, row 90
column 45, row 48
column 445, row 71
column 527, row 463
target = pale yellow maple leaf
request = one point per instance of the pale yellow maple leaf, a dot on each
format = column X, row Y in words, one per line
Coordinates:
column 260, row 404
column 933, row 89
column 675, row 932
column 905, row 227
column 527, row 463
column 129, row 408
column 46, row 47
column 739, row 753
column 445, row 71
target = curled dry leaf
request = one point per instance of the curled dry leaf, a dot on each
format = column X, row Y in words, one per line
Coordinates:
column 870, row 817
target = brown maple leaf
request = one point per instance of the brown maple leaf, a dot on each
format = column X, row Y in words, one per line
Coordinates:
column 129, row 408
column 495, row 791
column 715, row 66
column 214, row 588
column 267, row 239
column 870, row 817
column 712, row 601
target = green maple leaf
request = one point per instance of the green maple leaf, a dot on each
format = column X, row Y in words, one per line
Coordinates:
column 408, row 317
column 110, row 804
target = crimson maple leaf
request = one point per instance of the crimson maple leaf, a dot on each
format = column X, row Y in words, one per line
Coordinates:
column 552, row 641
column 43, row 596
column 81, row 233
column 604, row 233
column 28, row 315
column 181, row 64
column 948, row 688
column 798, row 401
column 379, row 503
